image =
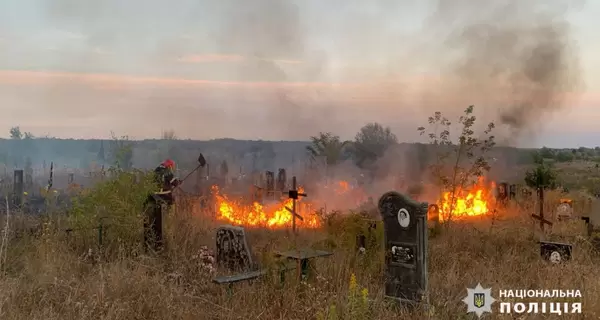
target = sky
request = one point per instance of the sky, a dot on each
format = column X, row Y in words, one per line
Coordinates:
column 288, row 69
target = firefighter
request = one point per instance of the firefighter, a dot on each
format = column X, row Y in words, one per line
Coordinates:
column 165, row 179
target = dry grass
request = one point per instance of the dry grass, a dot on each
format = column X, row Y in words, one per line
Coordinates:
column 48, row 278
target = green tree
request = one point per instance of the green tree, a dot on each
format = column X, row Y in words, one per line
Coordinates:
column 327, row 145
column 121, row 152
column 541, row 178
column 564, row 156
column 15, row 133
column 548, row 153
column 371, row 142
column 458, row 164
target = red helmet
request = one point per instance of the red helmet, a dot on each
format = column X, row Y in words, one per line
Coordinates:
column 169, row 164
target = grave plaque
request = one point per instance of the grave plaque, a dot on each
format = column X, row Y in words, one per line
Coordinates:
column 233, row 252
column 405, row 229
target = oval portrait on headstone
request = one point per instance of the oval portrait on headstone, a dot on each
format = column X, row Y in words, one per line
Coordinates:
column 403, row 218
column 555, row 257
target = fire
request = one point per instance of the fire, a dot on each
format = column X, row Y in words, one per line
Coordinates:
column 255, row 214
column 476, row 201
column 342, row 187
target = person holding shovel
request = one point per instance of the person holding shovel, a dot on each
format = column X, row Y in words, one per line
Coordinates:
column 165, row 178
column 166, row 182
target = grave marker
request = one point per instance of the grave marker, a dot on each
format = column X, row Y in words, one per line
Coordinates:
column 555, row 252
column 281, row 180
column 405, row 229
column 233, row 252
column 564, row 210
column 502, row 193
column 18, row 188
column 270, row 184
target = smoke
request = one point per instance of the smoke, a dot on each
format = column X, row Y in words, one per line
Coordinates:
column 516, row 59
column 351, row 62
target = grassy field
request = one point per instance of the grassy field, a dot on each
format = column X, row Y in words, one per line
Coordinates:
column 52, row 276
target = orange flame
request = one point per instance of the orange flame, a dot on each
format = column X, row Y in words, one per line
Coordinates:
column 257, row 215
column 467, row 203
column 342, row 187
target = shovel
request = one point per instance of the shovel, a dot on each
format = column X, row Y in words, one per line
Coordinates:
column 201, row 163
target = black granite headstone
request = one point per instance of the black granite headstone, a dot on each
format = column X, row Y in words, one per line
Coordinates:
column 405, row 229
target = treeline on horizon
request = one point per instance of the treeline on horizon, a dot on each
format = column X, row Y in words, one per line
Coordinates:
column 23, row 149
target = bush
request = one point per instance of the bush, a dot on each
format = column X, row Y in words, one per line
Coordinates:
column 111, row 212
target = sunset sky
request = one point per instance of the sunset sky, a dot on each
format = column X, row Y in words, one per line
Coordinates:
column 284, row 69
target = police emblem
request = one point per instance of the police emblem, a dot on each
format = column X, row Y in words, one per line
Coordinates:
column 479, row 300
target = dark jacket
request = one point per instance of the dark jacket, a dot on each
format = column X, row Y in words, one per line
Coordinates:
column 165, row 179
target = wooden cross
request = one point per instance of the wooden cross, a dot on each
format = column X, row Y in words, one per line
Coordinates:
column 293, row 194
column 542, row 221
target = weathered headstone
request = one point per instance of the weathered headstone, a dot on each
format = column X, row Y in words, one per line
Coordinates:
column 281, row 180
column 28, row 181
column 18, row 188
column 564, row 211
column 405, row 229
column 270, row 183
column 512, row 191
column 233, row 252
column 502, row 193
column 433, row 212
column 555, row 252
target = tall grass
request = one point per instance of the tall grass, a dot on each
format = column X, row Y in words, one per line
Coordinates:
column 54, row 276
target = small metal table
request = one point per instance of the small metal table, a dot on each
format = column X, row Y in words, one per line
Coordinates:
column 302, row 258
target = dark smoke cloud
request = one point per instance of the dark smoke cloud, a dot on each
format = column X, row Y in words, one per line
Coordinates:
column 516, row 59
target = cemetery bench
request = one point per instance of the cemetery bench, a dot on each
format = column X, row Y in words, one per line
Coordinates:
column 302, row 258
column 235, row 255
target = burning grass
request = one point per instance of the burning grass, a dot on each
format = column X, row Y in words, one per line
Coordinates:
column 273, row 216
column 48, row 278
column 476, row 200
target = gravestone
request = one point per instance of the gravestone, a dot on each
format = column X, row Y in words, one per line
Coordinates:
column 281, row 180
column 233, row 252
column 28, row 181
column 433, row 212
column 512, row 191
column 270, row 183
column 18, row 188
column 502, row 193
column 555, row 252
column 405, row 229
column 564, row 211
column 366, row 239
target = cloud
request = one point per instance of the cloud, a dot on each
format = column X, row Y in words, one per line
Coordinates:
column 210, row 58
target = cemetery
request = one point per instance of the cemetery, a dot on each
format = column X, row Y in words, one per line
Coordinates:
column 326, row 241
